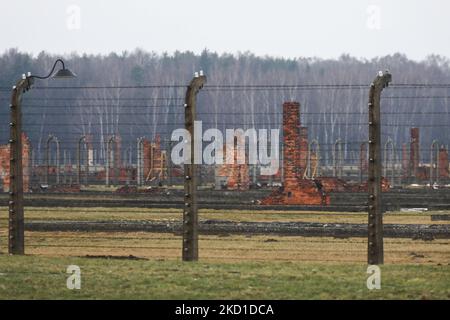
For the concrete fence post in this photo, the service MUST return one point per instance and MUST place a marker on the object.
(190, 212)
(375, 219)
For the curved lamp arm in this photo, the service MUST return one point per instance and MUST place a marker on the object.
(51, 72)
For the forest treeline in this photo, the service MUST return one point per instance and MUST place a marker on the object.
(120, 96)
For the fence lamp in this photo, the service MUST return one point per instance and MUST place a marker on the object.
(16, 241)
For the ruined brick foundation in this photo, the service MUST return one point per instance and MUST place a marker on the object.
(443, 163)
(235, 176)
(5, 165)
(155, 166)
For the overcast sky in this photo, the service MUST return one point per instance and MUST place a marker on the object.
(288, 28)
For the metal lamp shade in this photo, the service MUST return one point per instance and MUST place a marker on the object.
(64, 74)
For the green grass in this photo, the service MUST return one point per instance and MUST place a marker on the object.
(34, 277)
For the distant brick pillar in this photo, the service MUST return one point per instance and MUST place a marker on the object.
(303, 151)
(406, 173)
(296, 190)
(240, 170)
(443, 163)
(154, 163)
(157, 158)
(146, 157)
(5, 164)
(4, 167)
(236, 175)
(291, 139)
(415, 152)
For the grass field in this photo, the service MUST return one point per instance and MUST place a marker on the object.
(231, 248)
(230, 267)
(31, 277)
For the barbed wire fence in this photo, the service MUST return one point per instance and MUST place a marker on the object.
(99, 179)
